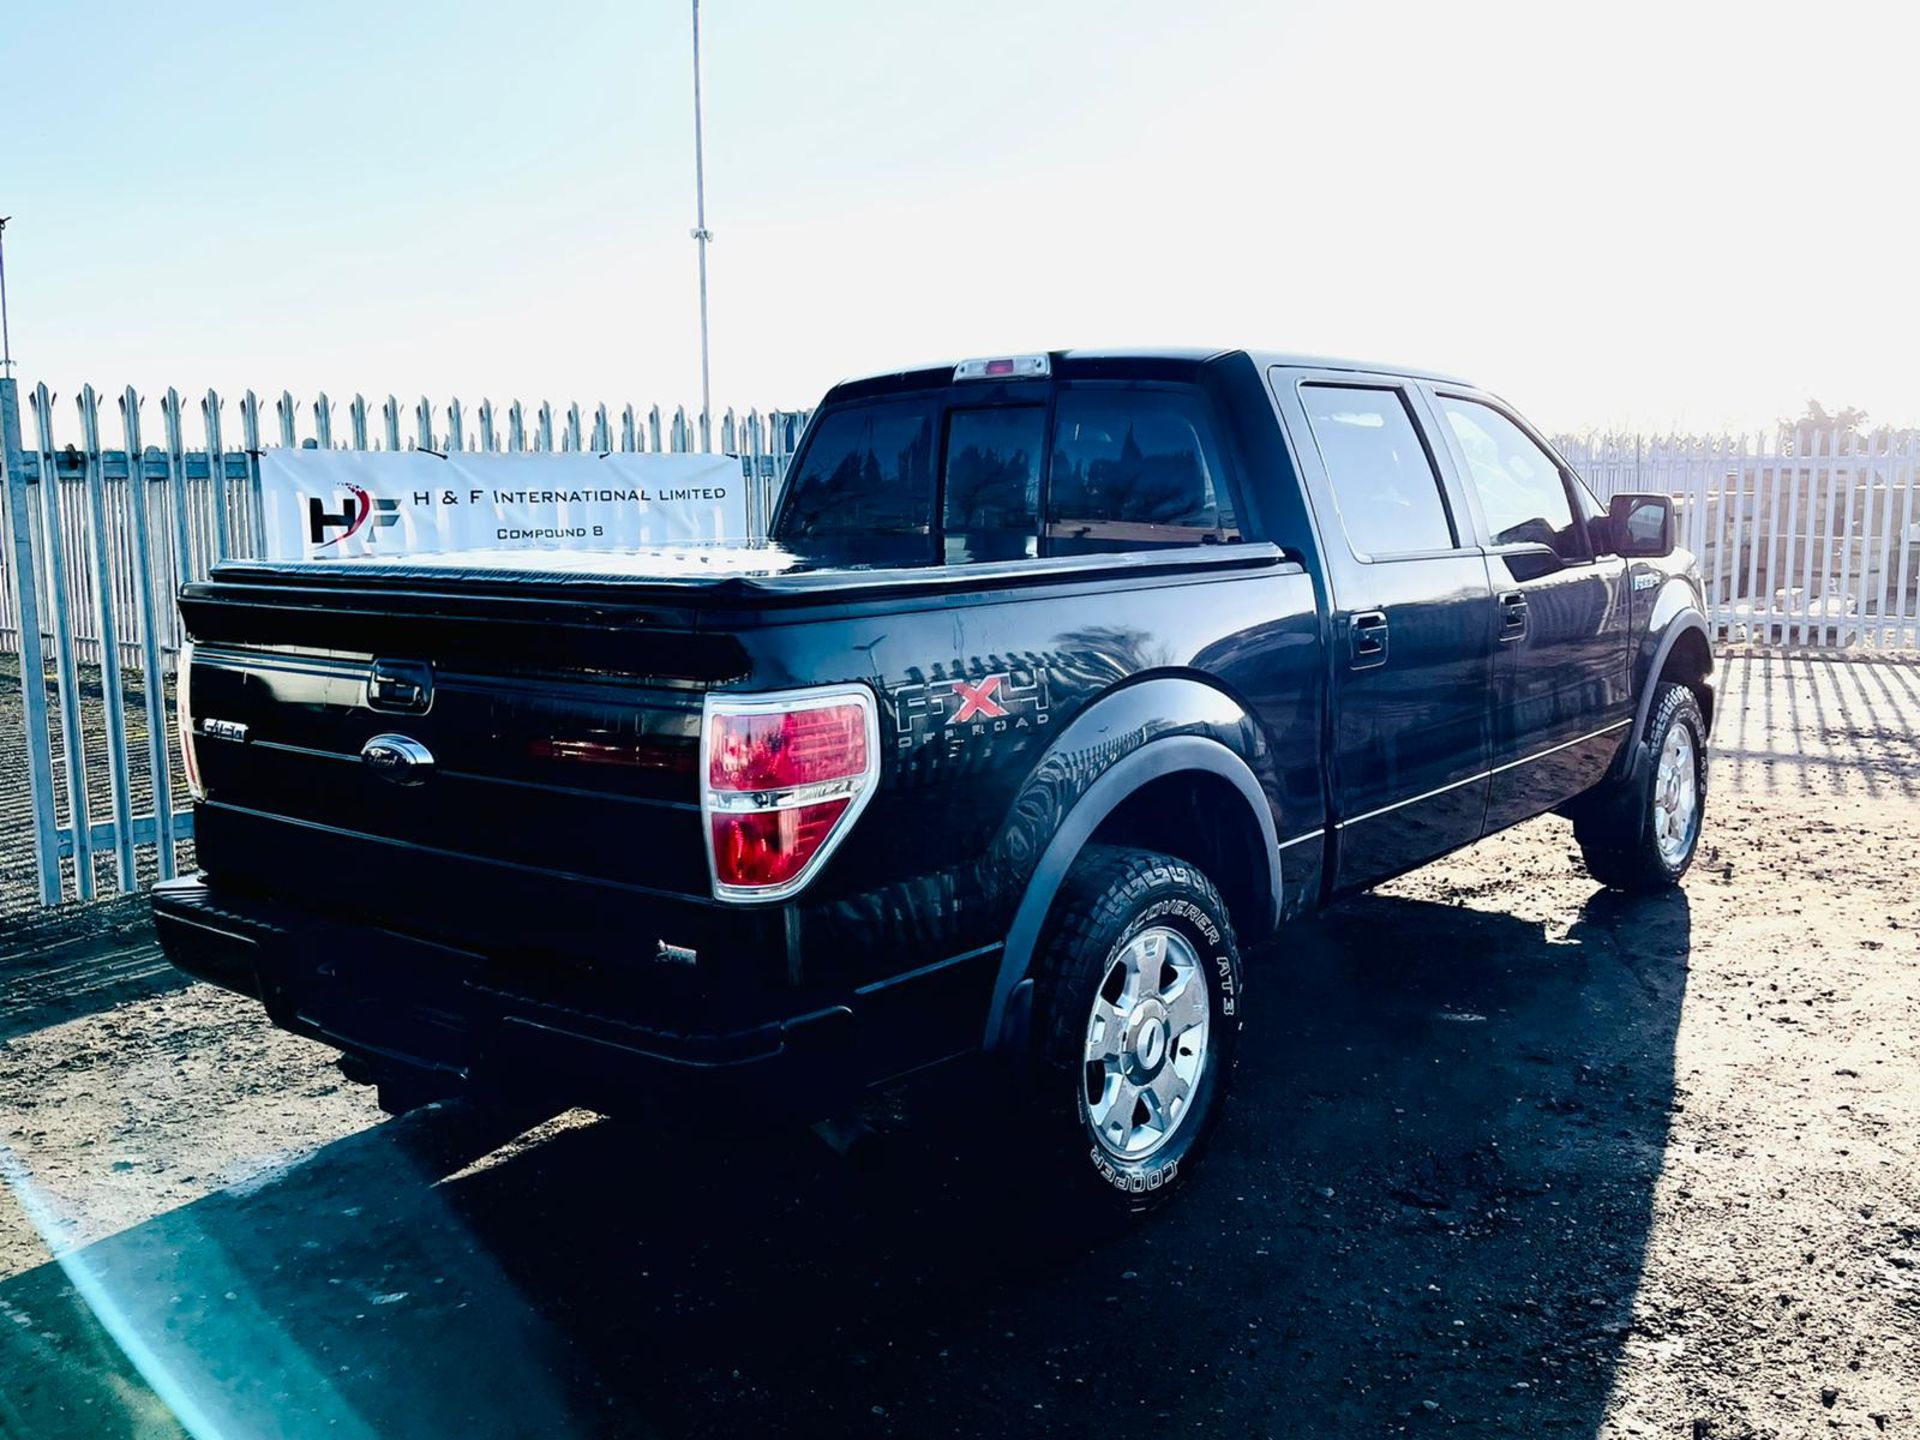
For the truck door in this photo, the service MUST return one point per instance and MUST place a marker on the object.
(1412, 626)
(1562, 684)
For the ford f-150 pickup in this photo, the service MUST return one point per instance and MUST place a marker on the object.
(1061, 683)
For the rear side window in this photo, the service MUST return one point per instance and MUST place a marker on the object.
(1520, 488)
(1384, 483)
(992, 482)
(863, 491)
(1135, 469)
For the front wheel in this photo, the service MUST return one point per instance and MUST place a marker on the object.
(1137, 1021)
(1643, 838)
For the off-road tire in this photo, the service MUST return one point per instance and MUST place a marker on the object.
(1110, 896)
(1615, 828)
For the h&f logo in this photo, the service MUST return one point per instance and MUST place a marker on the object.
(350, 519)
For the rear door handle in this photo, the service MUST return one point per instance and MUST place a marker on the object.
(1367, 636)
(1513, 614)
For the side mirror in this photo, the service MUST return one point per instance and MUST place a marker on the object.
(1641, 526)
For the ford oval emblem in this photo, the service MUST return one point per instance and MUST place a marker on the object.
(397, 758)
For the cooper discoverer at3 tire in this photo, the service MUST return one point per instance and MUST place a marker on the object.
(1643, 838)
(1138, 1012)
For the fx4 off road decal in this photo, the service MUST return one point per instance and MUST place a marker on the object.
(953, 708)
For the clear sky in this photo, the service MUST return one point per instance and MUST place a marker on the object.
(1622, 213)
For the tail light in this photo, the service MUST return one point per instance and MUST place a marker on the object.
(183, 707)
(783, 778)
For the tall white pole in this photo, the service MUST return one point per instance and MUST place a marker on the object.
(702, 235)
(6, 341)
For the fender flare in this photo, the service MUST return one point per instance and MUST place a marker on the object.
(1679, 625)
(1170, 755)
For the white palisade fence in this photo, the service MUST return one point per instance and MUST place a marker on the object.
(1806, 537)
(202, 499)
(98, 530)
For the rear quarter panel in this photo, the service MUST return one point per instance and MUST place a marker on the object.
(977, 691)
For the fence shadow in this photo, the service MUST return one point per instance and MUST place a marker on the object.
(1436, 1187)
(1819, 724)
(57, 965)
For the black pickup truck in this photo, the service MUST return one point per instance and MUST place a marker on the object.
(1063, 681)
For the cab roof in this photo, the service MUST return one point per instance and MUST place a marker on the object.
(1118, 361)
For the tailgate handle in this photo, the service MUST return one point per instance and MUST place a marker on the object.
(400, 687)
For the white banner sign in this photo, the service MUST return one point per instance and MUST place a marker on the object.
(321, 503)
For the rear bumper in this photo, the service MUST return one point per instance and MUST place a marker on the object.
(398, 1000)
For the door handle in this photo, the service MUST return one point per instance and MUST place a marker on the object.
(1513, 614)
(1367, 636)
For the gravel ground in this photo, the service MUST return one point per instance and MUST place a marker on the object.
(1507, 1155)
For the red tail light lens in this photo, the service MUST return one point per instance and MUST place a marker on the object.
(785, 777)
(780, 750)
(754, 849)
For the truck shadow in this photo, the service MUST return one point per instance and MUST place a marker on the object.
(1434, 1193)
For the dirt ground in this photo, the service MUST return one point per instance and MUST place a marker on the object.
(1507, 1155)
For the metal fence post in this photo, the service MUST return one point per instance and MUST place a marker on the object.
(33, 670)
(60, 601)
(256, 499)
(106, 619)
(216, 474)
(153, 676)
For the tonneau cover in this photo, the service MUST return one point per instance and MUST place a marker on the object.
(760, 569)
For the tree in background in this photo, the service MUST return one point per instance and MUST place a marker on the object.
(1848, 419)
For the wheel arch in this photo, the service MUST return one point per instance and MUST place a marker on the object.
(1687, 659)
(1676, 649)
(1682, 652)
(1185, 767)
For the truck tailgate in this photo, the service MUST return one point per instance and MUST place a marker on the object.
(563, 735)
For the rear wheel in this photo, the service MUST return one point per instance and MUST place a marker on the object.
(1137, 1021)
(1643, 836)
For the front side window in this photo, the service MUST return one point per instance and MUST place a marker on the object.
(992, 484)
(862, 494)
(1520, 488)
(1134, 469)
(1383, 480)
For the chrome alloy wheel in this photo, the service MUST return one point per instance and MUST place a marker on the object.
(1146, 1043)
(1676, 797)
